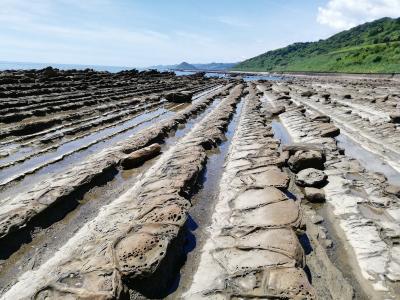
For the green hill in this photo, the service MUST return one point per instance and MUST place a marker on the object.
(369, 48)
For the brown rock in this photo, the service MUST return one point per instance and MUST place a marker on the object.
(306, 159)
(321, 118)
(277, 110)
(330, 131)
(307, 94)
(393, 190)
(314, 194)
(182, 97)
(138, 157)
(293, 148)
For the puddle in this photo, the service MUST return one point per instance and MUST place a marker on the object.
(69, 139)
(95, 142)
(368, 160)
(68, 148)
(28, 181)
(203, 202)
(339, 253)
(280, 132)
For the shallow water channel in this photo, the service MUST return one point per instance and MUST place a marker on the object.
(44, 242)
(368, 160)
(203, 202)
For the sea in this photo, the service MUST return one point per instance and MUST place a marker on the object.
(12, 65)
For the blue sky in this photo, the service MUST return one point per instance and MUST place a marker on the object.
(148, 32)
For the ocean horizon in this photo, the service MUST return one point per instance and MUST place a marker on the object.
(14, 65)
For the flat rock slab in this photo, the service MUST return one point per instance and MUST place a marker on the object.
(273, 177)
(130, 237)
(256, 197)
(253, 250)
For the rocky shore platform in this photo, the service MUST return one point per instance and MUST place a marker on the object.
(148, 185)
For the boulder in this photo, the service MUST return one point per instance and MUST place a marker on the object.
(293, 148)
(326, 96)
(321, 118)
(179, 97)
(311, 178)
(306, 159)
(330, 131)
(393, 190)
(395, 117)
(314, 194)
(307, 94)
(49, 72)
(139, 157)
(277, 110)
(283, 97)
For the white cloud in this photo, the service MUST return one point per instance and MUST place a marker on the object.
(344, 14)
(230, 21)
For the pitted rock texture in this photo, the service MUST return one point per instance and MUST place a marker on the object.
(366, 214)
(363, 109)
(129, 238)
(252, 248)
(311, 177)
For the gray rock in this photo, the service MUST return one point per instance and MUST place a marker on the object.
(311, 178)
(283, 97)
(314, 194)
(395, 117)
(307, 94)
(293, 148)
(277, 110)
(306, 159)
(326, 96)
(393, 190)
(321, 118)
(180, 97)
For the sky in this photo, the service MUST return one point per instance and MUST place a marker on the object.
(141, 33)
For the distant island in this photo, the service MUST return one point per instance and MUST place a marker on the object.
(196, 67)
(368, 48)
(184, 66)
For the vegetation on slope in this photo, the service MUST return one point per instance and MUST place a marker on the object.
(369, 48)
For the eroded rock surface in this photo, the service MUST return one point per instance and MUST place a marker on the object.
(130, 238)
(311, 177)
(16, 212)
(355, 194)
(253, 250)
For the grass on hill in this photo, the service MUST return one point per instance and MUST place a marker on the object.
(369, 48)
